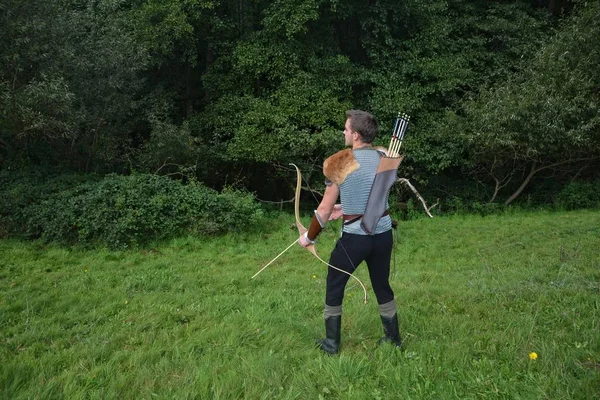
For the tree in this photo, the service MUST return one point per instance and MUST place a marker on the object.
(71, 80)
(546, 116)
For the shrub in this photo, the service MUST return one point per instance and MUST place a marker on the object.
(579, 195)
(122, 211)
(20, 190)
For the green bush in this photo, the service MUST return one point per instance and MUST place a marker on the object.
(20, 190)
(122, 211)
(579, 195)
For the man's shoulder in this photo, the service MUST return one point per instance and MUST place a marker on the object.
(382, 151)
(370, 153)
(338, 166)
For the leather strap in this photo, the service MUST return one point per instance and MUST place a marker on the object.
(351, 218)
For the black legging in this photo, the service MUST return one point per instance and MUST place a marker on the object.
(348, 253)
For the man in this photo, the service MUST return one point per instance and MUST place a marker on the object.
(350, 174)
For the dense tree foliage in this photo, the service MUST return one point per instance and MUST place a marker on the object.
(229, 92)
(545, 117)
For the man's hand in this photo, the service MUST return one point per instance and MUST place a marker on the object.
(303, 241)
(336, 213)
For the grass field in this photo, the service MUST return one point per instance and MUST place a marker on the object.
(476, 297)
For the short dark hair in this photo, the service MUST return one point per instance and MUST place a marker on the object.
(363, 123)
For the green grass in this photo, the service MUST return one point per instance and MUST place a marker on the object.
(183, 320)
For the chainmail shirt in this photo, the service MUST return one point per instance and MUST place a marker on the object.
(355, 189)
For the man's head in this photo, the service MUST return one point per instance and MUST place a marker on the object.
(361, 123)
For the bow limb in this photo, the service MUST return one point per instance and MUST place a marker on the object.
(302, 229)
(313, 250)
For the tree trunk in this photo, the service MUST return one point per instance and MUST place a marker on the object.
(523, 185)
(496, 190)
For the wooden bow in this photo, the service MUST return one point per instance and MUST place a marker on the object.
(302, 230)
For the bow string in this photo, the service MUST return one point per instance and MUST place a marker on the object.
(302, 230)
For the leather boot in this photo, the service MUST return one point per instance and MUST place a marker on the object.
(333, 328)
(391, 331)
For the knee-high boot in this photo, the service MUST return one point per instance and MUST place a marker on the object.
(333, 328)
(391, 331)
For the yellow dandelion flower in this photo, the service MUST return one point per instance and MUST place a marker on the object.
(533, 355)
(314, 276)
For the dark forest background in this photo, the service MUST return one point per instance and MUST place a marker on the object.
(503, 96)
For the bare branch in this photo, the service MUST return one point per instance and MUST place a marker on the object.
(566, 162)
(585, 166)
(178, 173)
(535, 169)
(427, 209)
(275, 202)
(500, 183)
(312, 191)
(166, 164)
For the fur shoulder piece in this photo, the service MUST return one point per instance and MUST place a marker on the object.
(337, 167)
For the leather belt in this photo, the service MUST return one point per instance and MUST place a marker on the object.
(355, 217)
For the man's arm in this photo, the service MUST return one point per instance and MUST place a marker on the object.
(322, 214)
(326, 206)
